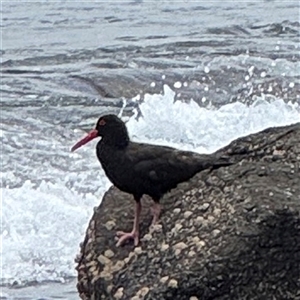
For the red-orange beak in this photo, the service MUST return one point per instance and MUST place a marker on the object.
(90, 136)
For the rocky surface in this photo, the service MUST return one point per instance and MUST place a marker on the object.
(233, 233)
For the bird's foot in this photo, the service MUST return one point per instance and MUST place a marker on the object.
(155, 209)
(124, 236)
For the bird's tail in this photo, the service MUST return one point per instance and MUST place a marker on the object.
(221, 161)
(213, 162)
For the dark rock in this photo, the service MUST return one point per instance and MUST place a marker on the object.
(244, 245)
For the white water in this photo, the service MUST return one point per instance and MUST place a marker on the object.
(43, 223)
(191, 127)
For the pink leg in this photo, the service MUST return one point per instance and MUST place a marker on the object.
(134, 234)
(155, 212)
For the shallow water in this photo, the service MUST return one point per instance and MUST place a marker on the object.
(233, 67)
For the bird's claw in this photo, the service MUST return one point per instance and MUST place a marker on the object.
(124, 236)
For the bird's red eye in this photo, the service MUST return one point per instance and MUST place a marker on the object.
(102, 122)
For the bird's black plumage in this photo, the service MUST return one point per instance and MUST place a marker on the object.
(138, 168)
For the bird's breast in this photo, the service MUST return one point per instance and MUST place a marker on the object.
(117, 168)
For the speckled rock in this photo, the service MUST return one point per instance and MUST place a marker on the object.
(232, 233)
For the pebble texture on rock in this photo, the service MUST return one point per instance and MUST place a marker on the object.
(232, 233)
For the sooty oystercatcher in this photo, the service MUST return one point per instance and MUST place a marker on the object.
(140, 169)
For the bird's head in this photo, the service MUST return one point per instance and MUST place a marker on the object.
(111, 129)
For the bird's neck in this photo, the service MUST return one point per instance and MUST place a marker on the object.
(119, 140)
(108, 148)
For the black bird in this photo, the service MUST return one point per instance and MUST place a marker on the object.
(140, 169)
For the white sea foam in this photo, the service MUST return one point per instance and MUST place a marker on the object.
(41, 231)
(189, 126)
(43, 223)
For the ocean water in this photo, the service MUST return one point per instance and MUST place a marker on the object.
(190, 75)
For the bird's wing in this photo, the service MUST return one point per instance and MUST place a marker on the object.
(157, 163)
